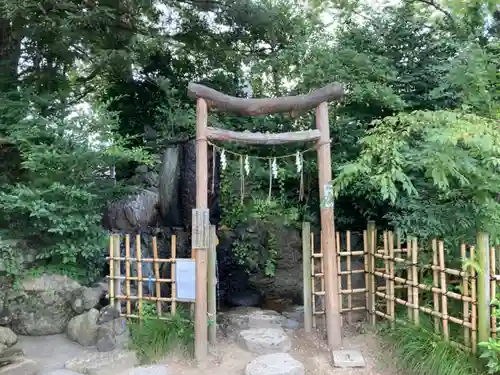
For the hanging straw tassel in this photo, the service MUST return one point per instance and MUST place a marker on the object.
(270, 179)
(242, 180)
(214, 157)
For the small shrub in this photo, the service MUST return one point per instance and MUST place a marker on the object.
(153, 338)
(420, 352)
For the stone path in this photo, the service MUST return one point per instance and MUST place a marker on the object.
(251, 342)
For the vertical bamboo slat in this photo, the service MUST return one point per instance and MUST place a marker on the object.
(138, 255)
(307, 276)
(493, 289)
(372, 246)
(409, 277)
(118, 273)
(387, 272)
(465, 287)
(156, 268)
(339, 268)
(435, 283)
(173, 255)
(392, 312)
(127, 274)
(444, 290)
(112, 275)
(367, 273)
(473, 315)
(313, 261)
(349, 275)
(483, 286)
(415, 290)
(400, 251)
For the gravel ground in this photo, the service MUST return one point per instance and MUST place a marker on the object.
(228, 359)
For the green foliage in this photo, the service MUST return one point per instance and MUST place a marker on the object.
(58, 203)
(419, 351)
(438, 170)
(490, 350)
(153, 338)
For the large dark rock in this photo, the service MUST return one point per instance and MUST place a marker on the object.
(188, 184)
(169, 186)
(131, 214)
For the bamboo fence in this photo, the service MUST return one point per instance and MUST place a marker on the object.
(116, 260)
(399, 284)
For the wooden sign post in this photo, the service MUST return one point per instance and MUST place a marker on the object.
(257, 107)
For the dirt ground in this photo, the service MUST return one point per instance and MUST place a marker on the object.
(228, 359)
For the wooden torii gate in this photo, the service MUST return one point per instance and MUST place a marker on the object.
(208, 98)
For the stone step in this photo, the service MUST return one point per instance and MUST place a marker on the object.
(264, 340)
(20, 366)
(147, 370)
(108, 363)
(275, 364)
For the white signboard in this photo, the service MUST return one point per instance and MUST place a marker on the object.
(185, 280)
(328, 195)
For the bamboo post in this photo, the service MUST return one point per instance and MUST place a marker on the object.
(400, 251)
(372, 246)
(307, 276)
(332, 311)
(392, 311)
(339, 267)
(493, 291)
(313, 280)
(201, 332)
(435, 283)
(173, 257)
(483, 284)
(349, 275)
(127, 274)
(212, 286)
(473, 314)
(465, 287)
(112, 296)
(409, 276)
(387, 272)
(444, 290)
(118, 273)
(156, 267)
(138, 255)
(367, 273)
(415, 289)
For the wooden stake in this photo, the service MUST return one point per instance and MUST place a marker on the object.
(372, 246)
(201, 332)
(483, 283)
(333, 320)
(444, 290)
(173, 256)
(367, 274)
(138, 255)
(387, 271)
(307, 276)
(339, 268)
(156, 267)
(435, 283)
(127, 274)
(212, 286)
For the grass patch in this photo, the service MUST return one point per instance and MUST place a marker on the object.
(153, 338)
(418, 351)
